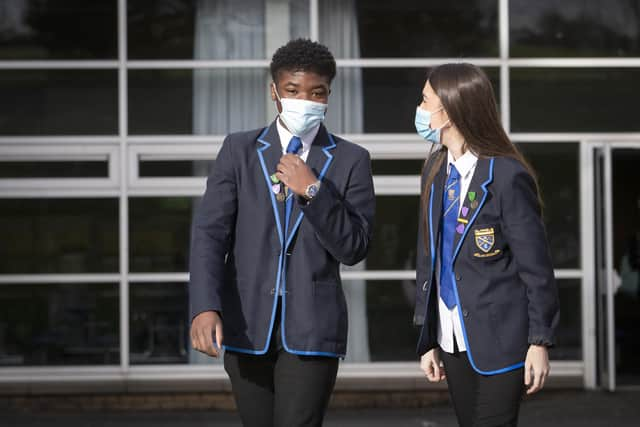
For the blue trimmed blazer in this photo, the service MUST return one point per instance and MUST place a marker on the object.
(241, 259)
(503, 276)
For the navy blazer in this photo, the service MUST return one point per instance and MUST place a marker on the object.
(504, 281)
(240, 258)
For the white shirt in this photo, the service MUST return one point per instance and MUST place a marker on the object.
(449, 324)
(307, 139)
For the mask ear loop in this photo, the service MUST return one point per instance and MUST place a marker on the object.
(275, 90)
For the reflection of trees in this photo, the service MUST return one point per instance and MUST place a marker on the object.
(585, 32)
(73, 28)
(398, 28)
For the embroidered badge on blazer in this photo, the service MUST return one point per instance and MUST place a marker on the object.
(485, 239)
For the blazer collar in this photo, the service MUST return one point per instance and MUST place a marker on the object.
(269, 149)
(473, 201)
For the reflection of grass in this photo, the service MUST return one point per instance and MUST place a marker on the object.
(560, 52)
(574, 99)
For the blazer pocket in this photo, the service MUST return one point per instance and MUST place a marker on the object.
(510, 323)
(330, 311)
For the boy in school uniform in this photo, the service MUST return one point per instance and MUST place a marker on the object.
(284, 207)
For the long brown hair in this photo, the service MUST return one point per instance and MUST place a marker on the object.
(467, 96)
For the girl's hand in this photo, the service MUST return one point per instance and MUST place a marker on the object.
(432, 366)
(536, 368)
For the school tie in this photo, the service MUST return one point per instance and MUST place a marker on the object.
(450, 219)
(294, 146)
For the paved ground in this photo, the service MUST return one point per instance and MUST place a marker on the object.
(561, 408)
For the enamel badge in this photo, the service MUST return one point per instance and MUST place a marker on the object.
(485, 239)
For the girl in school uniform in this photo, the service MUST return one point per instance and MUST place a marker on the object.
(486, 296)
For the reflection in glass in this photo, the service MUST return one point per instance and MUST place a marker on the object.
(558, 170)
(211, 29)
(626, 261)
(409, 28)
(159, 322)
(390, 97)
(569, 333)
(59, 324)
(58, 236)
(50, 29)
(395, 233)
(198, 101)
(550, 28)
(397, 166)
(174, 168)
(392, 335)
(159, 233)
(574, 99)
(54, 169)
(59, 102)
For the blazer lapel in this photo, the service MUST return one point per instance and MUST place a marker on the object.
(269, 153)
(473, 201)
(318, 160)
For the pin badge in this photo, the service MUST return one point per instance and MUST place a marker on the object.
(472, 195)
(460, 228)
(275, 188)
(465, 211)
(274, 179)
(280, 197)
(474, 204)
(452, 194)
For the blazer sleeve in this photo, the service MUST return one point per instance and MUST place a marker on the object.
(344, 225)
(525, 234)
(213, 226)
(423, 262)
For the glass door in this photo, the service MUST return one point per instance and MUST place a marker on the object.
(615, 241)
(625, 236)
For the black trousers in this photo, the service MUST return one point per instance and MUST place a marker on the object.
(482, 400)
(280, 389)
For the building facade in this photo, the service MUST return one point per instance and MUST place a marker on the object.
(113, 111)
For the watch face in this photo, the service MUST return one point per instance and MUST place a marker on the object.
(312, 190)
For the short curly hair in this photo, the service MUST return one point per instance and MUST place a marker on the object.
(303, 55)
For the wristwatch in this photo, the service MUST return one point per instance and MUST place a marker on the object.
(311, 191)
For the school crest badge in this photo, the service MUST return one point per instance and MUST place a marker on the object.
(485, 239)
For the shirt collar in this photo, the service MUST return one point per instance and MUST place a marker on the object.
(464, 164)
(285, 136)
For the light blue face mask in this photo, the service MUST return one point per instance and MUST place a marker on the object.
(423, 126)
(300, 115)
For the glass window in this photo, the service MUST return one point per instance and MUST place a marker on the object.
(198, 101)
(59, 324)
(569, 333)
(395, 234)
(159, 319)
(397, 167)
(388, 318)
(174, 168)
(550, 28)
(409, 28)
(389, 97)
(159, 233)
(58, 236)
(59, 102)
(574, 99)
(54, 169)
(216, 29)
(50, 29)
(558, 169)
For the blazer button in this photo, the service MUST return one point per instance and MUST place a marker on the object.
(458, 277)
(465, 312)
